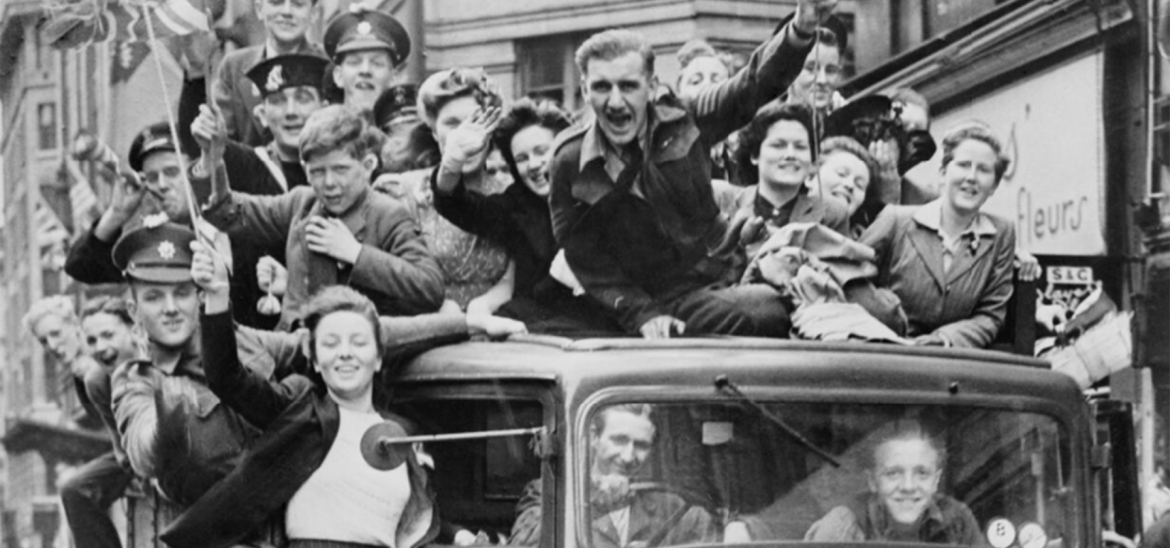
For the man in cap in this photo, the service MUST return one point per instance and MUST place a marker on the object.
(367, 49)
(173, 428)
(410, 144)
(286, 24)
(643, 237)
(158, 188)
(291, 90)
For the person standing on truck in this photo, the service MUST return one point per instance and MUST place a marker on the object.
(631, 199)
(620, 440)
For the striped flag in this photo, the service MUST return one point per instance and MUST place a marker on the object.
(76, 23)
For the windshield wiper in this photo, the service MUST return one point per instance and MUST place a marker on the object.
(723, 383)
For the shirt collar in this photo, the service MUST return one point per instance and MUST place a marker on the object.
(930, 216)
(932, 516)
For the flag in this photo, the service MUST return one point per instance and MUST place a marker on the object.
(76, 23)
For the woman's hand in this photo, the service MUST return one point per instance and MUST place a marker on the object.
(470, 139)
(209, 272)
(1027, 266)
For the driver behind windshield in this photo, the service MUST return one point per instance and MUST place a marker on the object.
(625, 514)
(903, 502)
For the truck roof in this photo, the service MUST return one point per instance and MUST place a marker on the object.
(598, 363)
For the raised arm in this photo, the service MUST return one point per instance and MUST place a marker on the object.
(255, 398)
(731, 104)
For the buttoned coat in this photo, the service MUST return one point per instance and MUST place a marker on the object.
(395, 268)
(967, 304)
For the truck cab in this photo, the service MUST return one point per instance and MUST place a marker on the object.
(766, 437)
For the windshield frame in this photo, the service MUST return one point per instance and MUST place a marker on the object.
(1079, 475)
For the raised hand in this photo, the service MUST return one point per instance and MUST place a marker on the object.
(811, 13)
(209, 131)
(332, 238)
(210, 273)
(471, 138)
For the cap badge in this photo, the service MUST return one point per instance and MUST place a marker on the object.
(364, 28)
(166, 250)
(156, 220)
(275, 79)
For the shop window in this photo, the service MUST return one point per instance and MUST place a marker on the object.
(548, 70)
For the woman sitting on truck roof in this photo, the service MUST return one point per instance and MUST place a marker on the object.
(308, 460)
(950, 263)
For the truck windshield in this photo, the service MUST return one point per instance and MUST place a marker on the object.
(664, 474)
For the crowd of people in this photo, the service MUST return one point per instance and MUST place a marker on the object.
(313, 201)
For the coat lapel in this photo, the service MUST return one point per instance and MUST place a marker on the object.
(968, 255)
(929, 248)
(605, 533)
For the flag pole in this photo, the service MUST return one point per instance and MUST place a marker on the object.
(191, 209)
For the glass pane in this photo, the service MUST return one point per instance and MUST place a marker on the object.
(479, 482)
(670, 474)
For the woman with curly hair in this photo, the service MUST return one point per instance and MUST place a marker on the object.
(519, 217)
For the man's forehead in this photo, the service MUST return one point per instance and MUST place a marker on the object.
(161, 158)
(367, 54)
(629, 65)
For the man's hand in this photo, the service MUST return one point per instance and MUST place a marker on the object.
(271, 276)
(470, 139)
(332, 238)
(662, 327)
(811, 13)
(610, 492)
(128, 192)
(210, 132)
(210, 273)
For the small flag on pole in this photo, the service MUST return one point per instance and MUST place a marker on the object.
(77, 23)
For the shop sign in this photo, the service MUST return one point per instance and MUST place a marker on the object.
(1052, 129)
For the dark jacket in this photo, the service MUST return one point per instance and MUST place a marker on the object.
(300, 422)
(632, 252)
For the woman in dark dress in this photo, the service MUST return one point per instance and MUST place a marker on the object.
(519, 217)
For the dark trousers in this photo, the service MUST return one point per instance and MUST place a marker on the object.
(754, 310)
(87, 497)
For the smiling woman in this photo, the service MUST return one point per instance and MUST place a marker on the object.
(950, 263)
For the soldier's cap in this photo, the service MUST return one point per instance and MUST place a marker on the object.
(362, 28)
(155, 138)
(159, 254)
(288, 71)
(397, 101)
